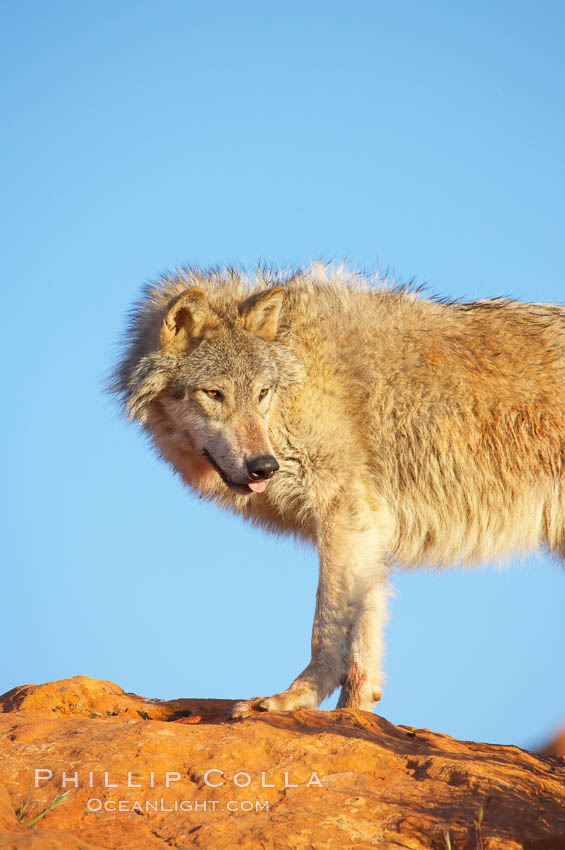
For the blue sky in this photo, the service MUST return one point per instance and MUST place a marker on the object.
(426, 138)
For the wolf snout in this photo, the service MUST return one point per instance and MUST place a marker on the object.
(262, 468)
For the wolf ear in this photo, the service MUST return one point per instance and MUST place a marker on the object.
(260, 312)
(185, 322)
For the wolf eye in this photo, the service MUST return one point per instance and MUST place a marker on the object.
(263, 392)
(214, 394)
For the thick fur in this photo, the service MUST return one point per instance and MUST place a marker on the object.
(408, 431)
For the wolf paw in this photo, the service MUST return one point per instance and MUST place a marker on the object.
(357, 691)
(290, 700)
(245, 708)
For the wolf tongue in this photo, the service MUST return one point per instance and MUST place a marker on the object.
(257, 486)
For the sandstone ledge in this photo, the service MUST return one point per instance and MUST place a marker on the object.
(310, 779)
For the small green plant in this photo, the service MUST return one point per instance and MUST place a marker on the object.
(176, 715)
(57, 800)
(20, 813)
(478, 829)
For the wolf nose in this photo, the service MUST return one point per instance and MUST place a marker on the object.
(261, 468)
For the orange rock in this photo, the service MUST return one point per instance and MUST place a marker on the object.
(85, 697)
(47, 839)
(344, 779)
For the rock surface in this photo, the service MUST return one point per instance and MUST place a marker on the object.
(310, 779)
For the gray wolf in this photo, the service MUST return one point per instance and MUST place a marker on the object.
(388, 428)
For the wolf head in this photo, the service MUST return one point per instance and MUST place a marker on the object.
(203, 377)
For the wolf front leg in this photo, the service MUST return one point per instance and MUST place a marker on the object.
(362, 684)
(350, 612)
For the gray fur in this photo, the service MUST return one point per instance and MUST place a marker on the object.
(408, 431)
